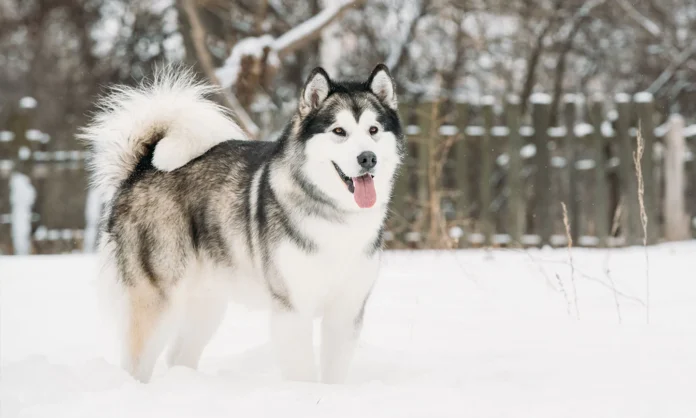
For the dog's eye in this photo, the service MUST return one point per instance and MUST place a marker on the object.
(339, 132)
(373, 130)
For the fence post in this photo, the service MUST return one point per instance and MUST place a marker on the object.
(22, 192)
(541, 108)
(486, 217)
(516, 208)
(423, 157)
(573, 203)
(401, 187)
(676, 219)
(627, 172)
(461, 151)
(645, 106)
(601, 194)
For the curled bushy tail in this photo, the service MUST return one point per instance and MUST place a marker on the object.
(172, 110)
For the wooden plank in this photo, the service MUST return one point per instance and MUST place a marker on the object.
(646, 110)
(516, 206)
(601, 193)
(426, 141)
(627, 175)
(484, 186)
(461, 151)
(676, 219)
(571, 146)
(399, 216)
(543, 224)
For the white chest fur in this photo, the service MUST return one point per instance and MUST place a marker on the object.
(340, 267)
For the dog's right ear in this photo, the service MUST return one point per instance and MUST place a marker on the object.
(315, 91)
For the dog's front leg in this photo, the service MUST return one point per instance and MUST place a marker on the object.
(342, 324)
(340, 331)
(291, 337)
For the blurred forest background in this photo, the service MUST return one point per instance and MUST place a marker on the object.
(61, 53)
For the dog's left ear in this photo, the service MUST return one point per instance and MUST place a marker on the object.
(382, 85)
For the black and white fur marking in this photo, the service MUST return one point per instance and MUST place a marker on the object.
(196, 216)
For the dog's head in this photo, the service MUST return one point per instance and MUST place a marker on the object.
(351, 137)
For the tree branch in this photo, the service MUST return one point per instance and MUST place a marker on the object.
(645, 23)
(206, 63)
(310, 29)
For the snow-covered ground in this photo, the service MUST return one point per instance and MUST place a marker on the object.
(469, 333)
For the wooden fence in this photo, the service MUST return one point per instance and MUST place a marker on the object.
(496, 175)
(476, 174)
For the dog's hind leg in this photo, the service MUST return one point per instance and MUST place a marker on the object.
(201, 316)
(146, 331)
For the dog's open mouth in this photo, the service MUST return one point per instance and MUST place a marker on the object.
(363, 187)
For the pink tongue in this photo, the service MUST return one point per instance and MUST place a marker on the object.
(364, 194)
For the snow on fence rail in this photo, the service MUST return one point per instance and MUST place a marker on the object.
(502, 182)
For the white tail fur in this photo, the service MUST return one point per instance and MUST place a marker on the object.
(173, 107)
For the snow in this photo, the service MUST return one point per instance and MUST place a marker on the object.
(526, 130)
(400, 24)
(571, 98)
(622, 98)
(475, 130)
(310, 25)
(478, 333)
(528, 151)
(34, 135)
(487, 100)
(41, 233)
(448, 130)
(540, 98)
(412, 236)
(643, 97)
(456, 232)
(607, 129)
(412, 130)
(22, 197)
(585, 164)
(558, 162)
(500, 131)
(227, 74)
(24, 153)
(93, 207)
(27, 102)
(513, 99)
(557, 131)
(662, 130)
(690, 131)
(583, 129)
(6, 136)
(6, 165)
(255, 46)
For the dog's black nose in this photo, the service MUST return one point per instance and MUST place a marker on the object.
(367, 160)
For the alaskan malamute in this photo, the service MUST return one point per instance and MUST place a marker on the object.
(197, 215)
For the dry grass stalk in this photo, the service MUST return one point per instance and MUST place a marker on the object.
(615, 222)
(565, 294)
(637, 156)
(569, 237)
(607, 271)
